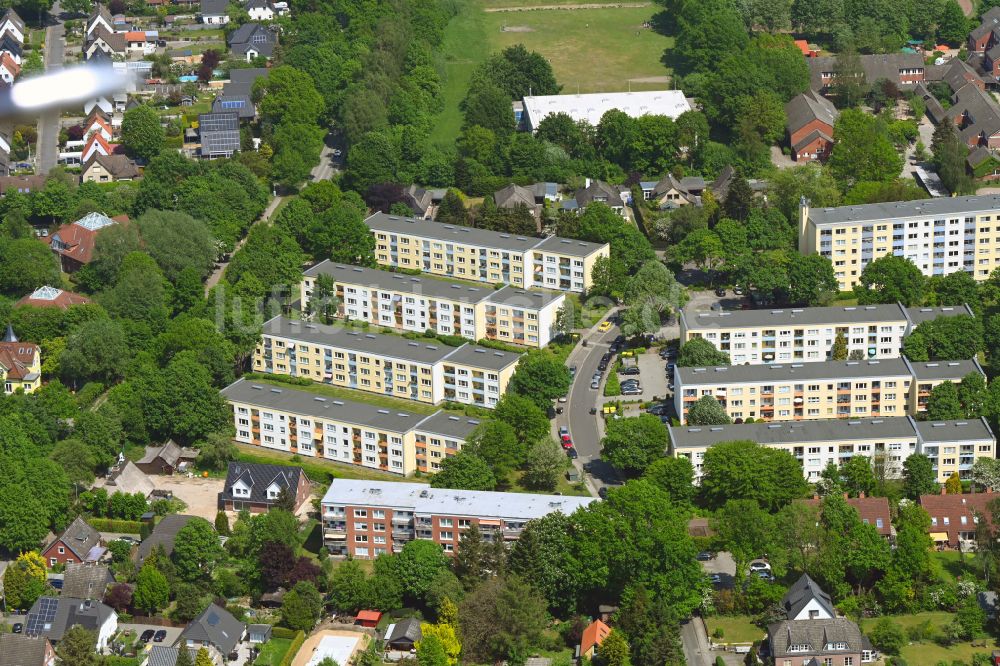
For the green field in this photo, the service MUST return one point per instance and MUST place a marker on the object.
(367, 397)
(318, 470)
(273, 652)
(591, 50)
(735, 628)
(927, 653)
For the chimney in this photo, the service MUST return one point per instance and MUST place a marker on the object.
(943, 491)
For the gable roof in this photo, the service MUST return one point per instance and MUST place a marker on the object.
(241, 80)
(7, 62)
(598, 189)
(408, 629)
(512, 195)
(21, 650)
(76, 240)
(16, 358)
(593, 635)
(115, 40)
(52, 616)
(162, 535)
(160, 655)
(955, 509)
(804, 590)
(119, 166)
(977, 109)
(79, 537)
(217, 627)
(170, 453)
(873, 511)
(259, 4)
(12, 16)
(130, 479)
(259, 478)
(814, 633)
(214, 7)
(86, 581)
(219, 133)
(807, 107)
(253, 36)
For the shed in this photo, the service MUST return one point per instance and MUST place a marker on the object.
(258, 633)
(403, 635)
(368, 618)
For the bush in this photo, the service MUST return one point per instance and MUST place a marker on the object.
(719, 661)
(112, 525)
(293, 649)
(887, 636)
(613, 386)
(284, 632)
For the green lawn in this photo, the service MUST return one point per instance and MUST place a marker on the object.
(953, 564)
(735, 628)
(929, 652)
(464, 47)
(366, 397)
(317, 469)
(272, 652)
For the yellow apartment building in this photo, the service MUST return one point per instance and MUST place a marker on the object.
(423, 370)
(480, 255)
(353, 433)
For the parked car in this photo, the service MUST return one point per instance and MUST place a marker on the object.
(566, 442)
(571, 452)
(630, 371)
(17, 628)
(572, 372)
(759, 565)
(705, 556)
(159, 636)
(738, 291)
(602, 492)
(658, 409)
(146, 636)
(604, 326)
(563, 398)
(632, 391)
(765, 575)
(716, 578)
(720, 292)
(595, 384)
(563, 430)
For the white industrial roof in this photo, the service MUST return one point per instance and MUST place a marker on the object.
(591, 107)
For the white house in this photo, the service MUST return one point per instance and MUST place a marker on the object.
(260, 10)
(12, 24)
(214, 12)
(805, 600)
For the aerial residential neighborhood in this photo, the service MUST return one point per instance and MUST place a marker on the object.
(439, 333)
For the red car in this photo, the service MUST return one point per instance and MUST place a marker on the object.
(567, 443)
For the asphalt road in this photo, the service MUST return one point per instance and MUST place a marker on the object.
(694, 640)
(48, 123)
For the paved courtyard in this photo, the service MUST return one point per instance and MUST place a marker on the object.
(200, 495)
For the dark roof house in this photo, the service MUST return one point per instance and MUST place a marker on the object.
(21, 650)
(219, 134)
(215, 627)
(165, 459)
(75, 544)
(818, 640)
(257, 487)
(805, 600)
(403, 634)
(51, 617)
(86, 581)
(251, 40)
(811, 118)
(160, 655)
(162, 535)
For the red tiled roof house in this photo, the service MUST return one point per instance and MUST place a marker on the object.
(74, 243)
(954, 518)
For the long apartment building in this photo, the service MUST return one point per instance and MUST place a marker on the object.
(796, 335)
(316, 426)
(422, 370)
(421, 303)
(952, 446)
(365, 519)
(454, 251)
(824, 390)
(940, 236)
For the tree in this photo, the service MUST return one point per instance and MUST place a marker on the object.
(203, 658)
(301, 606)
(489, 107)
(77, 647)
(177, 241)
(746, 530)
(839, 350)
(614, 650)
(416, 567)
(952, 26)
(184, 657)
(786, 187)
(863, 151)
(858, 476)
(540, 378)
(497, 445)
(25, 580)
(890, 279)
(746, 470)
(139, 292)
(673, 475)
(953, 484)
(701, 27)
(985, 473)
(850, 86)
(348, 587)
(217, 451)
(699, 352)
(949, 157)
(526, 418)
(811, 280)
(943, 403)
(945, 339)
(887, 636)
(287, 96)
(707, 411)
(544, 464)
(152, 592)
(464, 471)
(430, 652)
(142, 134)
(633, 444)
(196, 550)
(918, 476)
(452, 209)
(119, 596)
(501, 619)
(25, 265)
(739, 199)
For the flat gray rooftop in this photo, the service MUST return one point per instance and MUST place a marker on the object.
(954, 431)
(524, 298)
(305, 403)
(919, 315)
(791, 372)
(448, 425)
(944, 206)
(373, 278)
(931, 370)
(482, 357)
(861, 314)
(424, 500)
(450, 233)
(826, 430)
(569, 246)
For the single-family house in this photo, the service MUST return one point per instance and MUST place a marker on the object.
(257, 487)
(107, 40)
(872, 511)
(512, 196)
(101, 103)
(139, 42)
(954, 518)
(805, 600)
(983, 163)
(214, 628)
(96, 145)
(130, 479)
(977, 116)
(166, 458)
(51, 297)
(671, 192)
(10, 45)
(20, 184)
(237, 93)
(102, 168)
(956, 73)
(811, 118)
(403, 635)
(164, 534)
(100, 17)
(820, 641)
(253, 40)
(592, 637)
(20, 364)
(78, 543)
(98, 123)
(260, 10)
(21, 650)
(13, 25)
(214, 12)
(86, 581)
(598, 191)
(986, 33)
(51, 617)
(9, 69)
(74, 243)
(219, 134)
(421, 201)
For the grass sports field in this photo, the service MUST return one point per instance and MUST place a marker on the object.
(592, 49)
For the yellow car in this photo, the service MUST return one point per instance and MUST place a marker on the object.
(605, 326)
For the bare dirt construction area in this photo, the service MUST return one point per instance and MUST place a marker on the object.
(200, 495)
(337, 644)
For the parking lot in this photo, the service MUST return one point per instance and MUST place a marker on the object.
(723, 565)
(137, 630)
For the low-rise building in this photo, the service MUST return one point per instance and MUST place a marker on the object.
(164, 536)
(811, 118)
(418, 304)
(21, 650)
(792, 335)
(253, 40)
(78, 543)
(102, 168)
(166, 458)
(257, 487)
(806, 600)
(364, 519)
(480, 255)
(313, 425)
(824, 390)
(214, 12)
(219, 134)
(51, 297)
(591, 107)
(872, 511)
(51, 617)
(216, 629)
(20, 364)
(426, 371)
(903, 69)
(955, 518)
(952, 446)
(74, 243)
(86, 581)
(819, 641)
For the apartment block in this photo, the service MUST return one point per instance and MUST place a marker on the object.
(316, 426)
(365, 519)
(952, 446)
(940, 236)
(798, 335)
(422, 303)
(479, 255)
(823, 390)
(426, 371)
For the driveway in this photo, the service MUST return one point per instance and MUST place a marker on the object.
(48, 123)
(200, 495)
(723, 565)
(173, 633)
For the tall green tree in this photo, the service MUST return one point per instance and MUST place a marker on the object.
(890, 279)
(707, 411)
(864, 150)
(196, 550)
(464, 471)
(142, 134)
(918, 476)
(631, 445)
(747, 470)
